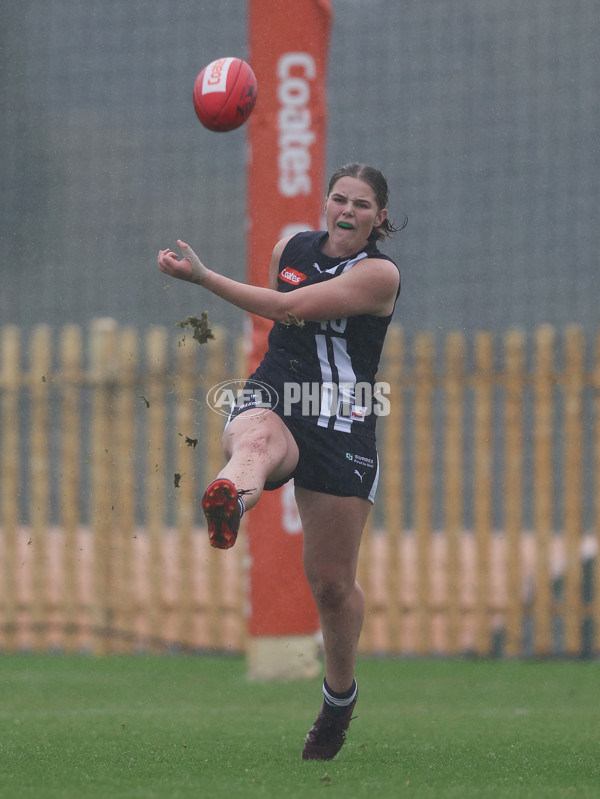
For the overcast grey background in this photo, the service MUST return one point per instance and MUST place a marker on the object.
(483, 114)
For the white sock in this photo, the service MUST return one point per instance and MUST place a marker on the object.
(242, 506)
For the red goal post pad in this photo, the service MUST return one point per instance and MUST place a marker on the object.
(285, 194)
(280, 600)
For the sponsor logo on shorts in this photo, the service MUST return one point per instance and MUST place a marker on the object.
(361, 460)
(291, 276)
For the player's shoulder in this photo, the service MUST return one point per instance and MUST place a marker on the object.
(304, 240)
(294, 241)
(382, 270)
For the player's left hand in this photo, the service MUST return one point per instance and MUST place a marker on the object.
(189, 267)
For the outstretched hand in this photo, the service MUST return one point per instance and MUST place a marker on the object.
(189, 267)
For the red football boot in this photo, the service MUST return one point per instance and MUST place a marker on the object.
(222, 511)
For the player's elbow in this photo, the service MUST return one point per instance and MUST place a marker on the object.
(288, 311)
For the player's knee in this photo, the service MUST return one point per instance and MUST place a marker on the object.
(330, 593)
(255, 441)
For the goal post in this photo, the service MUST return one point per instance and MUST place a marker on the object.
(288, 51)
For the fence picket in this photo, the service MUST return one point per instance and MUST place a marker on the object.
(103, 373)
(484, 389)
(157, 478)
(39, 378)
(70, 385)
(185, 420)
(215, 373)
(392, 459)
(9, 483)
(543, 487)
(573, 466)
(126, 428)
(424, 389)
(453, 482)
(513, 487)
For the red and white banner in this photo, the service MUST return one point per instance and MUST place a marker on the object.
(286, 184)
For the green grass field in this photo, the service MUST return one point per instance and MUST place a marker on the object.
(178, 727)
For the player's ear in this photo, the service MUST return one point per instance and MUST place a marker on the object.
(381, 217)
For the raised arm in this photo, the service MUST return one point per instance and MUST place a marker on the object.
(370, 287)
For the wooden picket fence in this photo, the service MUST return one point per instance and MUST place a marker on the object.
(483, 539)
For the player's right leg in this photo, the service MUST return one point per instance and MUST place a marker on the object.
(259, 448)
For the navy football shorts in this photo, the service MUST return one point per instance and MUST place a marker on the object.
(330, 461)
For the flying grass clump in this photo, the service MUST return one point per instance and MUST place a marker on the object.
(200, 327)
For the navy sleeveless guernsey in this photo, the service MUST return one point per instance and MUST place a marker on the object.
(334, 360)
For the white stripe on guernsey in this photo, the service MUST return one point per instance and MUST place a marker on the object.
(346, 264)
(327, 378)
(353, 262)
(333, 700)
(345, 376)
(373, 490)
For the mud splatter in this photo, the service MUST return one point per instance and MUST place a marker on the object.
(293, 321)
(191, 442)
(202, 332)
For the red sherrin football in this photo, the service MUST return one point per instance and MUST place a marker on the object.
(225, 94)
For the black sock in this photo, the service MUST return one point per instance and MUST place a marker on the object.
(339, 702)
